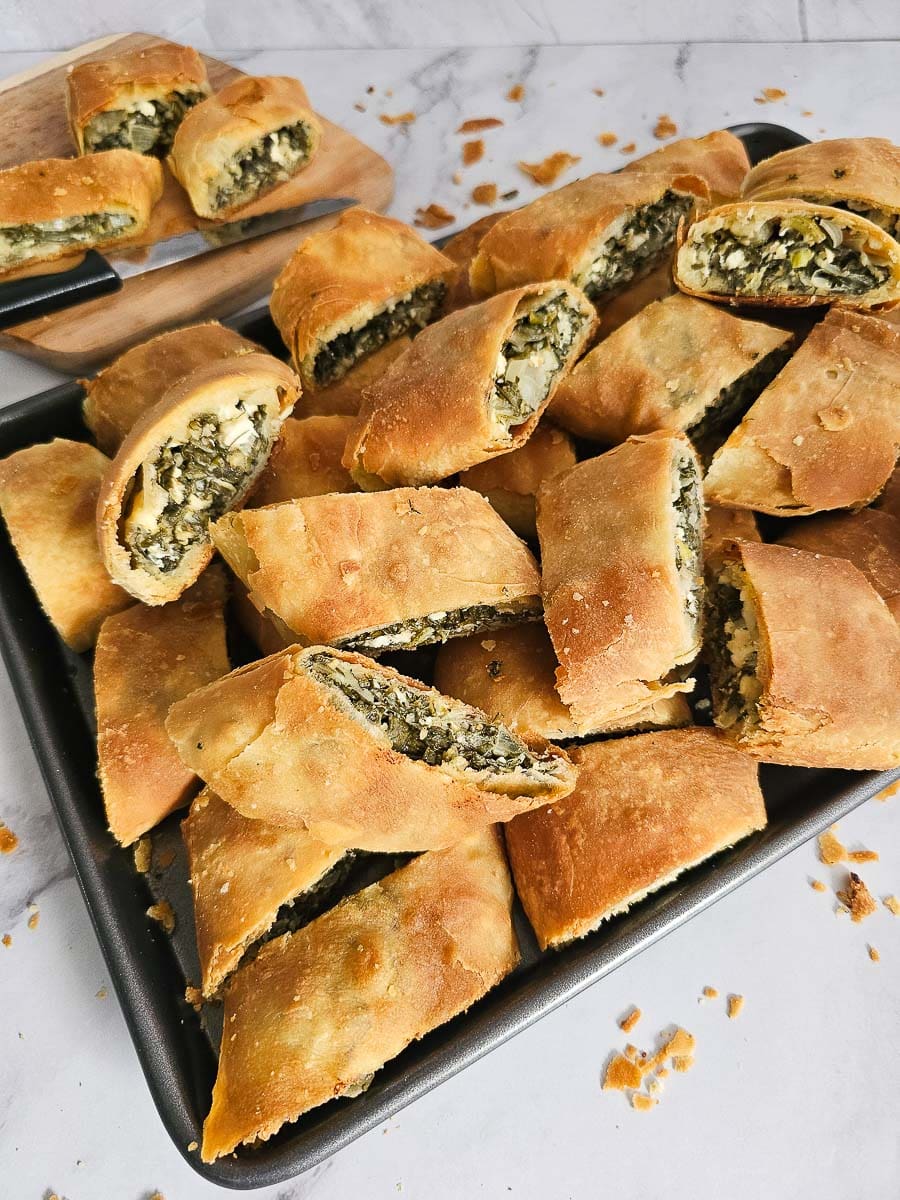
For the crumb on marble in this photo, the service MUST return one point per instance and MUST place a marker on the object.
(628, 149)
(143, 855)
(892, 904)
(831, 849)
(404, 118)
(477, 124)
(6, 939)
(598, 91)
(163, 914)
(359, 107)
(607, 138)
(665, 128)
(102, 994)
(510, 195)
(485, 193)
(435, 216)
(516, 93)
(710, 993)
(735, 1006)
(628, 1022)
(621, 1074)
(873, 954)
(549, 169)
(643, 1103)
(34, 919)
(859, 856)
(807, 112)
(8, 840)
(817, 885)
(857, 898)
(770, 95)
(472, 152)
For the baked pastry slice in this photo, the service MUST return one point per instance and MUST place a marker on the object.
(601, 233)
(470, 387)
(461, 249)
(357, 754)
(136, 100)
(382, 571)
(804, 659)
(248, 138)
(352, 289)
(251, 882)
(621, 551)
(789, 253)
(645, 809)
(189, 459)
(719, 158)
(306, 461)
(62, 206)
(320, 1011)
(677, 364)
(48, 497)
(826, 432)
(146, 659)
(139, 378)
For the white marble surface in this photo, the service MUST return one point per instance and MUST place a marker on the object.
(797, 1097)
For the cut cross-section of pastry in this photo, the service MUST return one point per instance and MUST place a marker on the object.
(136, 100)
(378, 571)
(359, 755)
(248, 138)
(621, 546)
(350, 290)
(804, 659)
(789, 253)
(470, 387)
(57, 207)
(645, 809)
(320, 1011)
(192, 457)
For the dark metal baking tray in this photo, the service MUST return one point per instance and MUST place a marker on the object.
(149, 970)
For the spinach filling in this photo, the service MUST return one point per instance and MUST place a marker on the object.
(714, 424)
(147, 127)
(635, 244)
(271, 160)
(408, 313)
(732, 639)
(439, 627)
(427, 727)
(688, 522)
(192, 481)
(800, 253)
(532, 357)
(882, 217)
(21, 242)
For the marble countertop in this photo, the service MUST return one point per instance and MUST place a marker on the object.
(794, 1098)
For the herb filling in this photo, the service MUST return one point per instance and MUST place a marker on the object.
(425, 726)
(21, 242)
(147, 127)
(688, 556)
(733, 637)
(440, 627)
(260, 166)
(635, 243)
(711, 427)
(411, 312)
(882, 217)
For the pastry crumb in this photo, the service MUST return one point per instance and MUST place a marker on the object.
(598, 91)
(629, 149)
(516, 93)
(457, 178)
(34, 919)
(6, 939)
(621, 1074)
(163, 914)
(192, 1146)
(8, 840)
(665, 127)
(194, 997)
(102, 994)
(477, 124)
(607, 138)
(472, 152)
(735, 1006)
(359, 107)
(863, 856)
(892, 904)
(549, 169)
(643, 1103)
(435, 216)
(165, 860)
(831, 849)
(631, 1019)
(143, 855)
(807, 112)
(770, 95)
(857, 898)
(817, 885)
(157, 1196)
(890, 790)
(710, 992)
(485, 193)
(873, 954)
(404, 118)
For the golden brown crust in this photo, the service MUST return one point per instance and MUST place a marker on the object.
(829, 663)
(889, 497)
(645, 809)
(461, 249)
(719, 158)
(612, 599)
(205, 389)
(51, 189)
(333, 566)
(280, 746)
(244, 111)
(826, 432)
(146, 659)
(259, 629)
(149, 74)
(305, 462)
(137, 379)
(629, 302)
(345, 396)
(428, 416)
(339, 279)
(48, 497)
(552, 237)
(241, 872)
(656, 371)
(870, 539)
(864, 170)
(320, 1011)
(509, 674)
(886, 295)
(724, 525)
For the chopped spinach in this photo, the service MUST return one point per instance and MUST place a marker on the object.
(646, 234)
(21, 241)
(688, 561)
(732, 649)
(532, 357)
(147, 127)
(266, 162)
(713, 425)
(440, 627)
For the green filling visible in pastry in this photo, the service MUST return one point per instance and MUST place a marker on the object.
(732, 641)
(147, 127)
(635, 244)
(440, 627)
(271, 160)
(18, 243)
(882, 217)
(688, 522)
(709, 430)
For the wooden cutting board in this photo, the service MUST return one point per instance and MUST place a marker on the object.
(33, 125)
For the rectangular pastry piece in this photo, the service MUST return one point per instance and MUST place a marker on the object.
(601, 233)
(510, 676)
(804, 659)
(511, 480)
(382, 571)
(320, 1011)
(190, 458)
(136, 100)
(239, 144)
(305, 462)
(48, 498)
(352, 289)
(139, 378)
(826, 432)
(250, 882)
(657, 371)
(719, 158)
(621, 548)
(860, 175)
(788, 253)
(645, 809)
(359, 755)
(870, 539)
(470, 387)
(146, 659)
(63, 206)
